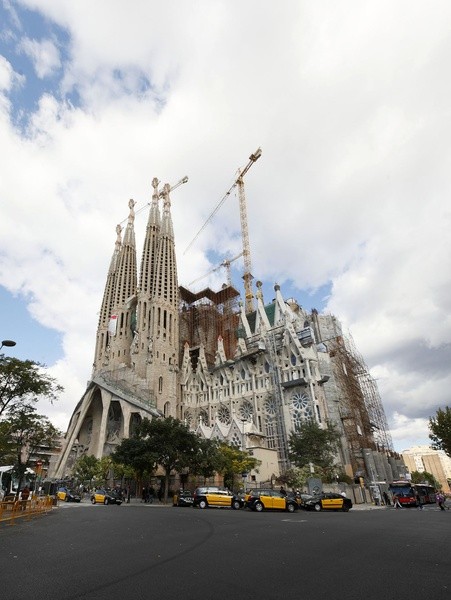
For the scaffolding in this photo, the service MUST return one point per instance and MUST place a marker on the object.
(360, 407)
(204, 317)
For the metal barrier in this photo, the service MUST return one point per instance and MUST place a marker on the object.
(10, 510)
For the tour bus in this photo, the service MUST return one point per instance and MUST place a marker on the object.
(406, 492)
(9, 481)
(426, 492)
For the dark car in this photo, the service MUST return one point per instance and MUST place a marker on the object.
(103, 496)
(267, 499)
(183, 498)
(326, 501)
(68, 495)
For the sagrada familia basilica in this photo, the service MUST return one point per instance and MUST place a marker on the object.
(246, 373)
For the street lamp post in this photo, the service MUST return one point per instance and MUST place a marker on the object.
(8, 343)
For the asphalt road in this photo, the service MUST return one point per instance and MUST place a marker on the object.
(145, 551)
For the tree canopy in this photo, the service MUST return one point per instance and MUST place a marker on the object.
(165, 442)
(22, 430)
(169, 444)
(232, 462)
(425, 477)
(23, 433)
(312, 444)
(440, 427)
(24, 382)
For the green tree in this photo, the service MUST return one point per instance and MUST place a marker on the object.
(233, 462)
(135, 453)
(424, 477)
(440, 427)
(295, 477)
(165, 442)
(24, 433)
(312, 444)
(207, 460)
(23, 382)
(86, 468)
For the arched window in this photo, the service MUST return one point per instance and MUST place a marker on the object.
(167, 409)
(160, 384)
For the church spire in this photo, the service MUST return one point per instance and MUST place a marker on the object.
(162, 358)
(165, 284)
(121, 325)
(101, 352)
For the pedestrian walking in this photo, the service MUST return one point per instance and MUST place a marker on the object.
(396, 502)
(418, 501)
(440, 499)
(386, 499)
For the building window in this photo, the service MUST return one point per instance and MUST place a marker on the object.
(167, 409)
(160, 384)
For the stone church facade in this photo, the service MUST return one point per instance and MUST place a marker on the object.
(247, 378)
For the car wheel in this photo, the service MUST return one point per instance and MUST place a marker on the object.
(345, 508)
(317, 507)
(291, 508)
(93, 500)
(236, 505)
(203, 504)
(259, 506)
(106, 501)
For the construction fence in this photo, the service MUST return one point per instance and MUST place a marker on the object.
(11, 510)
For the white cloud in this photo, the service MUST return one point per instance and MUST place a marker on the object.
(350, 104)
(44, 55)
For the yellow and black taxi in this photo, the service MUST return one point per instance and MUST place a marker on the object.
(183, 498)
(67, 495)
(204, 497)
(103, 496)
(326, 501)
(267, 499)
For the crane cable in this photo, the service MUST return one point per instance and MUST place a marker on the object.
(221, 202)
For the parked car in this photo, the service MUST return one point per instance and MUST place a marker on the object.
(183, 498)
(68, 495)
(326, 501)
(215, 496)
(103, 496)
(268, 499)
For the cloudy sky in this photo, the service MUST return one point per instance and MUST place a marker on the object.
(348, 206)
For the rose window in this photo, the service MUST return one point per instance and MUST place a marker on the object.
(270, 406)
(300, 401)
(246, 411)
(224, 415)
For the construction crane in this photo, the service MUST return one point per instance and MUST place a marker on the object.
(174, 187)
(160, 195)
(225, 263)
(247, 276)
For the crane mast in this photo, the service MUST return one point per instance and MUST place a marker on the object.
(239, 183)
(247, 276)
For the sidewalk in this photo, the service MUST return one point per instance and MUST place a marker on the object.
(370, 506)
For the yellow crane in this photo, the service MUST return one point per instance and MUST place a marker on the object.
(247, 276)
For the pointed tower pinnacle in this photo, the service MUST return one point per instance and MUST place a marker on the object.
(142, 352)
(121, 322)
(101, 356)
(162, 367)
